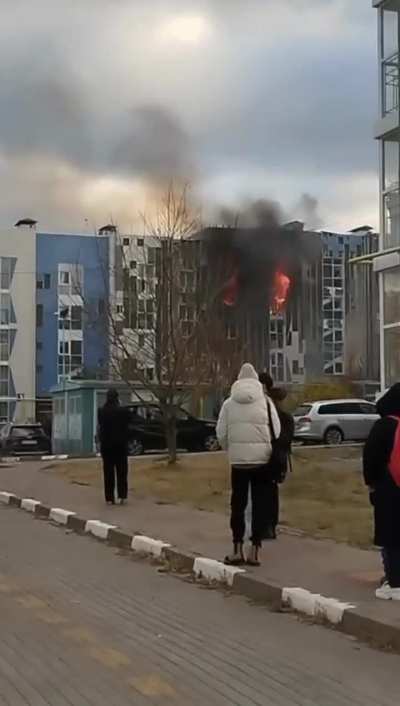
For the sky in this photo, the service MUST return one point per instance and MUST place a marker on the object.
(104, 101)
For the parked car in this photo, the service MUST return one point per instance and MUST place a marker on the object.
(334, 421)
(146, 430)
(19, 439)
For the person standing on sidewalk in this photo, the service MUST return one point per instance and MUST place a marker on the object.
(280, 460)
(113, 436)
(381, 461)
(243, 430)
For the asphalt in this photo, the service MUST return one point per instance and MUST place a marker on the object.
(333, 570)
(82, 625)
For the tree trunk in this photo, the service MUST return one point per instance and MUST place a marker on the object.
(170, 429)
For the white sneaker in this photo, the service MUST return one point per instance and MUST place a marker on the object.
(386, 593)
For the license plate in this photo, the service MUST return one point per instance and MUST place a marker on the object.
(28, 443)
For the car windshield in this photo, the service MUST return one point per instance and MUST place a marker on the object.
(302, 411)
(25, 432)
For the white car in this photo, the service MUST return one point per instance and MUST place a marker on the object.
(334, 421)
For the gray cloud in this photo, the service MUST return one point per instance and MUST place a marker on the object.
(276, 97)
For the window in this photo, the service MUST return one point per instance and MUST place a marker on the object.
(126, 242)
(150, 271)
(142, 270)
(120, 309)
(142, 285)
(295, 367)
(4, 412)
(64, 277)
(64, 347)
(4, 346)
(141, 340)
(390, 33)
(7, 264)
(150, 321)
(76, 347)
(392, 219)
(392, 355)
(39, 283)
(133, 264)
(5, 309)
(76, 318)
(141, 306)
(150, 374)
(140, 242)
(391, 298)
(47, 281)
(368, 408)
(4, 380)
(303, 410)
(39, 315)
(152, 255)
(340, 408)
(391, 164)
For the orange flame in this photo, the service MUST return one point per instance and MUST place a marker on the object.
(231, 290)
(281, 291)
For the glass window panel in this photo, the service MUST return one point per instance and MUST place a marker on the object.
(391, 299)
(391, 171)
(392, 219)
(392, 356)
(390, 32)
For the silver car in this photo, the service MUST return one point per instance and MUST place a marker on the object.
(334, 421)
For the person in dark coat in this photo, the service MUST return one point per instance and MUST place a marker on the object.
(282, 457)
(113, 437)
(385, 493)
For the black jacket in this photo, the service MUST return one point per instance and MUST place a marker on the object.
(385, 494)
(113, 422)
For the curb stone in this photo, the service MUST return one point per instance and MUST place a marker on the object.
(349, 619)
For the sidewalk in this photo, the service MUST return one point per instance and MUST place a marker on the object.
(333, 570)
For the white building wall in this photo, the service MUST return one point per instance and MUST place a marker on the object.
(20, 243)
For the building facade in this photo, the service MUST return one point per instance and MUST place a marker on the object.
(330, 326)
(72, 299)
(387, 132)
(17, 323)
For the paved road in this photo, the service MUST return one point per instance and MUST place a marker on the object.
(81, 625)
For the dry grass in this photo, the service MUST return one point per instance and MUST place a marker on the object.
(325, 496)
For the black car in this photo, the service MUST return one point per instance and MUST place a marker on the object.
(18, 439)
(147, 433)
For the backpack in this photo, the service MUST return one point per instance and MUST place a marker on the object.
(394, 463)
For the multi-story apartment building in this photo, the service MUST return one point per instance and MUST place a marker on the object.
(330, 326)
(387, 131)
(72, 299)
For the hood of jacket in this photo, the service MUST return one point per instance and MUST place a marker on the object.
(390, 402)
(247, 389)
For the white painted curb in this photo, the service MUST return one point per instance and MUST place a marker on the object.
(98, 529)
(5, 498)
(60, 516)
(315, 605)
(58, 457)
(29, 504)
(147, 545)
(213, 570)
(48, 458)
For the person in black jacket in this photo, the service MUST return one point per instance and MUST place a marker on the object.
(385, 494)
(113, 437)
(282, 455)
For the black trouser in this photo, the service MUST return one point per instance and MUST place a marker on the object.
(392, 566)
(242, 478)
(272, 504)
(115, 463)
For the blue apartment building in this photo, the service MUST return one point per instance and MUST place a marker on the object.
(72, 293)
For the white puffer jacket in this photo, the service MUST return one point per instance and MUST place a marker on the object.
(243, 424)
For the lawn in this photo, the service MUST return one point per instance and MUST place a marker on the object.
(325, 496)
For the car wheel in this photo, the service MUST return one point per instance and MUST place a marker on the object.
(333, 436)
(211, 443)
(135, 447)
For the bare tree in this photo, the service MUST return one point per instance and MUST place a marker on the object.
(165, 333)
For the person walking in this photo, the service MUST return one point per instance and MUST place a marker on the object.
(243, 431)
(113, 438)
(381, 463)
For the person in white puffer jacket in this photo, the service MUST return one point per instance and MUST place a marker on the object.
(243, 430)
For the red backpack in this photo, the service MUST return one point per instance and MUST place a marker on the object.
(394, 463)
